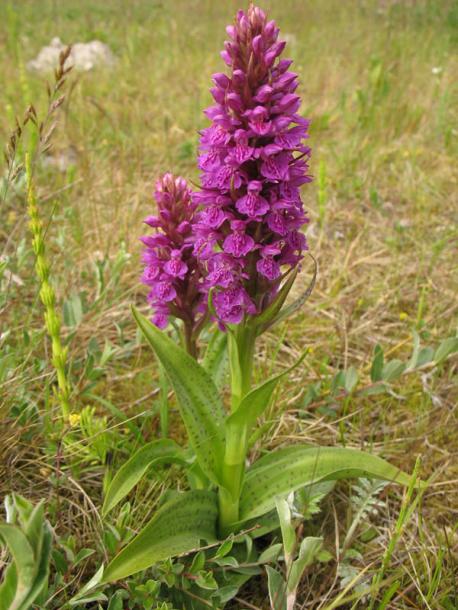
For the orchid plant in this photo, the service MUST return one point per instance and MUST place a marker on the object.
(224, 259)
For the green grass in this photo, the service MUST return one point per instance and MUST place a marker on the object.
(378, 81)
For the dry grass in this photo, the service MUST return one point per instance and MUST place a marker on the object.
(378, 82)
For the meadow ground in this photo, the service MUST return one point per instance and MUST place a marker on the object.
(378, 80)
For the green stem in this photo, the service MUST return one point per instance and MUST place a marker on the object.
(241, 354)
(189, 339)
(241, 344)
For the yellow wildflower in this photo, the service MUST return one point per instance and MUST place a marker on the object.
(74, 419)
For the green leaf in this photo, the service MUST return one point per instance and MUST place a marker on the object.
(85, 592)
(308, 552)
(226, 593)
(227, 561)
(225, 548)
(277, 589)
(60, 561)
(200, 405)
(116, 602)
(25, 566)
(377, 364)
(311, 394)
(392, 370)
(198, 563)
(351, 379)
(324, 556)
(255, 402)
(338, 381)
(284, 471)
(425, 356)
(447, 347)
(206, 580)
(82, 555)
(265, 319)
(288, 533)
(215, 360)
(91, 598)
(33, 528)
(415, 351)
(23, 509)
(177, 527)
(293, 452)
(8, 586)
(378, 388)
(271, 553)
(288, 311)
(308, 499)
(42, 572)
(389, 594)
(133, 470)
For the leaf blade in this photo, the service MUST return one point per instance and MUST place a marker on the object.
(446, 348)
(215, 360)
(130, 473)
(198, 400)
(177, 527)
(285, 471)
(308, 550)
(23, 556)
(277, 589)
(42, 575)
(288, 311)
(254, 403)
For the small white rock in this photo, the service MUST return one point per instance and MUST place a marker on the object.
(85, 56)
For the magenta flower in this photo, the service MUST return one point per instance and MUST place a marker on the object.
(253, 163)
(171, 270)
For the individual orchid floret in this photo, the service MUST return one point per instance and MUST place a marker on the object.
(253, 163)
(172, 272)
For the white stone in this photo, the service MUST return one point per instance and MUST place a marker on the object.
(84, 56)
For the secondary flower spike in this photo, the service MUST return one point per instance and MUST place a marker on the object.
(171, 270)
(253, 162)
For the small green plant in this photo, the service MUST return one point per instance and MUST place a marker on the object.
(47, 294)
(297, 558)
(27, 535)
(326, 394)
(410, 502)
(38, 143)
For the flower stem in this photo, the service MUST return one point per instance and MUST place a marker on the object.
(241, 344)
(189, 339)
(241, 355)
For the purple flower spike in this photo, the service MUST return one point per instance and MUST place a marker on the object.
(253, 162)
(171, 270)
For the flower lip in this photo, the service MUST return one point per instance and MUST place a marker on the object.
(254, 186)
